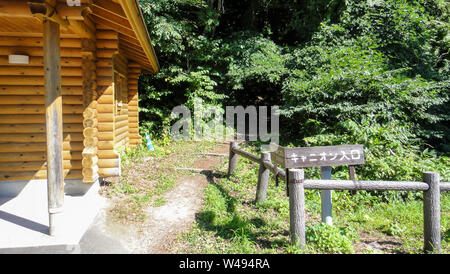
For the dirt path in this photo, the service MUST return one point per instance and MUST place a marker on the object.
(164, 223)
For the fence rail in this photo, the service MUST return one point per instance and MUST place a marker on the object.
(431, 187)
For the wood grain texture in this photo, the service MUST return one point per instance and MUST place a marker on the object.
(54, 120)
(432, 213)
(232, 161)
(297, 207)
(263, 178)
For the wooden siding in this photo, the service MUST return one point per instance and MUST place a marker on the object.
(22, 106)
(134, 70)
(107, 46)
(22, 109)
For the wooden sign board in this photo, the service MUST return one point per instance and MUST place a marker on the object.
(318, 156)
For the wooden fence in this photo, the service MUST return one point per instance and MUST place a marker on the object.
(431, 187)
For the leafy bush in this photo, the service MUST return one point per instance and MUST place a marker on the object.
(330, 239)
(369, 72)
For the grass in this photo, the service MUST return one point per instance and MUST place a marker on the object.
(148, 175)
(230, 221)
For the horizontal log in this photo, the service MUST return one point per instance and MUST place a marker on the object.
(107, 154)
(108, 172)
(123, 116)
(106, 136)
(104, 81)
(121, 143)
(104, 63)
(121, 130)
(105, 145)
(37, 71)
(33, 51)
(37, 90)
(35, 175)
(106, 127)
(133, 75)
(36, 137)
(444, 186)
(133, 130)
(36, 118)
(132, 81)
(132, 108)
(38, 109)
(105, 53)
(36, 156)
(135, 136)
(105, 108)
(132, 118)
(105, 117)
(37, 100)
(135, 141)
(36, 165)
(122, 122)
(106, 34)
(37, 81)
(247, 155)
(105, 90)
(133, 103)
(36, 42)
(119, 139)
(38, 147)
(134, 70)
(104, 72)
(36, 128)
(132, 87)
(107, 44)
(39, 61)
(365, 185)
(108, 163)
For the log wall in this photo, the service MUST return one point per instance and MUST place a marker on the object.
(134, 70)
(120, 64)
(108, 158)
(94, 131)
(22, 109)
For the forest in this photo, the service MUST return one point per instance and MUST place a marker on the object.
(373, 72)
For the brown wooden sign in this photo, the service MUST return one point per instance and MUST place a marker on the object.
(318, 156)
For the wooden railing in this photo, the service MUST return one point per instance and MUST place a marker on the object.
(296, 184)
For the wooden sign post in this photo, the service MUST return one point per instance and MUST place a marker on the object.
(325, 157)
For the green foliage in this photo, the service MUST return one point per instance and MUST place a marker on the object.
(369, 72)
(330, 239)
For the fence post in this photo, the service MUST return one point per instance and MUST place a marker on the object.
(432, 213)
(232, 161)
(297, 206)
(325, 195)
(263, 178)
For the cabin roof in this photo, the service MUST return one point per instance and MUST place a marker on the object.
(123, 16)
(134, 39)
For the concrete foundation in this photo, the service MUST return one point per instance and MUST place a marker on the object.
(24, 217)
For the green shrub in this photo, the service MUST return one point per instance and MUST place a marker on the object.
(330, 239)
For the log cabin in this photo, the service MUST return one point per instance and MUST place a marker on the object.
(68, 88)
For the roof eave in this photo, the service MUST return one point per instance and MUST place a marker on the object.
(136, 19)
